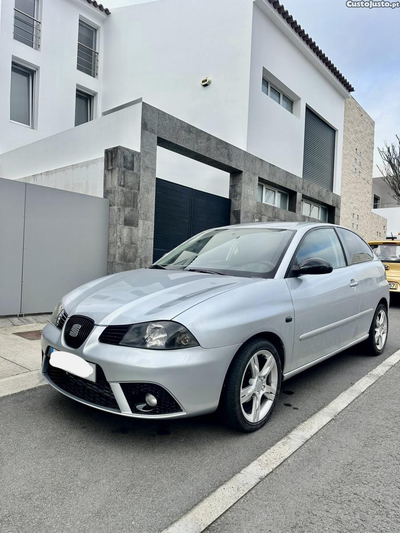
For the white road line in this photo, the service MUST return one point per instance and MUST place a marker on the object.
(219, 501)
(14, 384)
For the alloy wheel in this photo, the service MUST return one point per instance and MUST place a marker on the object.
(381, 327)
(259, 386)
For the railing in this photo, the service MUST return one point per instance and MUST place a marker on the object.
(88, 60)
(381, 206)
(27, 29)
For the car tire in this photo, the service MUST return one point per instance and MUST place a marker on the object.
(376, 341)
(249, 397)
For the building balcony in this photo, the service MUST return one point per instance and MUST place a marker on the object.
(27, 29)
(88, 60)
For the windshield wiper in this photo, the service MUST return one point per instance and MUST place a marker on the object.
(158, 267)
(201, 271)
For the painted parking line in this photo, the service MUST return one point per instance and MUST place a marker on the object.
(26, 381)
(219, 501)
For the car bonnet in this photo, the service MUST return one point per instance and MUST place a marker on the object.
(147, 294)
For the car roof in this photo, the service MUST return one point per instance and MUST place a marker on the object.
(282, 225)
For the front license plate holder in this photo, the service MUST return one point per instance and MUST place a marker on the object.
(73, 364)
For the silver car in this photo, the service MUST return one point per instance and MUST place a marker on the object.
(221, 320)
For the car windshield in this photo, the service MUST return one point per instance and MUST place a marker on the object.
(234, 251)
(387, 252)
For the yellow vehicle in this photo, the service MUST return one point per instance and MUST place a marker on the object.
(388, 251)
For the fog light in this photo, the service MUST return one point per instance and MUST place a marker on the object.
(151, 400)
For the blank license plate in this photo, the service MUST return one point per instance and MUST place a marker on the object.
(73, 364)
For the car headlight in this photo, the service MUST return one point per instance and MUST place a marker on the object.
(58, 311)
(161, 335)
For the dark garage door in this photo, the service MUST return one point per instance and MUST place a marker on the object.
(319, 151)
(182, 212)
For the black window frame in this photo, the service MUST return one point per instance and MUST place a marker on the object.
(87, 57)
(90, 98)
(15, 66)
(28, 24)
(348, 258)
(289, 274)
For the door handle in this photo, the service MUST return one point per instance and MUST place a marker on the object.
(353, 283)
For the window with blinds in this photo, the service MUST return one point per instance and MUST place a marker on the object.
(319, 151)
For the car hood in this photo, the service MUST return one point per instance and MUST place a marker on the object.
(146, 294)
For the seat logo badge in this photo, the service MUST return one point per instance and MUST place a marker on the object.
(75, 330)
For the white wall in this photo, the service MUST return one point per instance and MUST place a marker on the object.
(160, 51)
(392, 214)
(274, 133)
(73, 160)
(380, 188)
(84, 178)
(179, 169)
(76, 145)
(57, 75)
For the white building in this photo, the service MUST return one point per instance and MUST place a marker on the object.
(386, 206)
(38, 67)
(65, 62)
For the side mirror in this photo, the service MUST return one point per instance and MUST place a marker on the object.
(314, 265)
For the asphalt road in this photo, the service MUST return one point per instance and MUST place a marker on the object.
(346, 479)
(65, 467)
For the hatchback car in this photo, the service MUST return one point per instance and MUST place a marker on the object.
(388, 251)
(220, 321)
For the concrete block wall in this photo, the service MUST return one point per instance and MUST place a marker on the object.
(121, 187)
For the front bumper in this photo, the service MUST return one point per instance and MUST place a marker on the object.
(192, 378)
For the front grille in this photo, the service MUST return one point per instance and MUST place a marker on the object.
(77, 330)
(135, 395)
(114, 334)
(62, 317)
(98, 393)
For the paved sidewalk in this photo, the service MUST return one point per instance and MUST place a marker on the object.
(20, 355)
(345, 479)
(9, 321)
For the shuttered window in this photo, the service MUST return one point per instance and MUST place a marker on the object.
(319, 151)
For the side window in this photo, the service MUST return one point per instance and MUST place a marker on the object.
(324, 244)
(356, 249)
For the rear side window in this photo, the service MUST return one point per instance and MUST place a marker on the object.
(322, 244)
(356, 249)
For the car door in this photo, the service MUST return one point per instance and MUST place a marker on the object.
(366, 273)
(326, 306)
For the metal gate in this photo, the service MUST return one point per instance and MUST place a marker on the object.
(319, 151)
(181, 212)
(51, 242)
